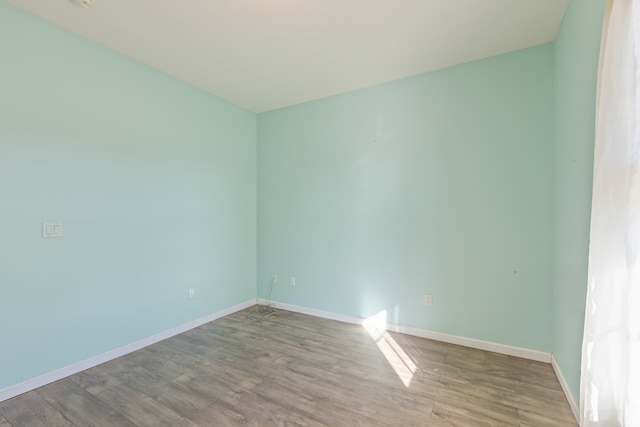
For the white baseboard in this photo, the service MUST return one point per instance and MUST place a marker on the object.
(58, 374)
(314, 312)
(525, 353)
(567, 390)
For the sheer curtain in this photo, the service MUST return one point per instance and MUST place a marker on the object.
(610, 382)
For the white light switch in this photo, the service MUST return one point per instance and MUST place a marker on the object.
(51, 229)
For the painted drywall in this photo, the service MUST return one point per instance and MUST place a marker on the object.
(439, 184)
(153, 180)
(576, 52)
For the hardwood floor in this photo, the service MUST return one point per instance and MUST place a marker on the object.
(297, 370)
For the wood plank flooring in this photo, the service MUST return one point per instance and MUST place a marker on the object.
(297, 370)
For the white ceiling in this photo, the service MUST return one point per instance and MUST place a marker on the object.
(267, 54)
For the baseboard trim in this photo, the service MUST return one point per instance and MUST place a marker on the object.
(565, 387)
(314, 312)
(58, 374)
(525, 353)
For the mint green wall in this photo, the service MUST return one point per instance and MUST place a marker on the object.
(472, 183)
(576, 54)
(439, 183)
(154, 181)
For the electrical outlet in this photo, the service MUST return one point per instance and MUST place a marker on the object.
(192, 293)
(274, 279)
(428, 299)
(292, 280)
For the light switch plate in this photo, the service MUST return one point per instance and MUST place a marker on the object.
(51, 229)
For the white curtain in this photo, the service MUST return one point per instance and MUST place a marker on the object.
(610, 382)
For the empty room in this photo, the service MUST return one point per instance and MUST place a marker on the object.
(338, 213)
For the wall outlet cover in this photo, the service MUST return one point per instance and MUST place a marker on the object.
(428, 299)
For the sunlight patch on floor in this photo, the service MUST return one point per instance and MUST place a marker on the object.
(401, 363)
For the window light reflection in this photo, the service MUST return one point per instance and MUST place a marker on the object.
(401, 363)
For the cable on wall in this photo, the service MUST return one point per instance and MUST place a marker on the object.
(260, 312)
